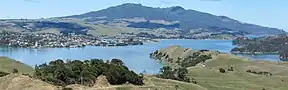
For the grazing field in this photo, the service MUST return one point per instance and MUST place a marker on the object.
(20, 82)
(8, 65)
(238, 79)
(221, 72)
(236, 73)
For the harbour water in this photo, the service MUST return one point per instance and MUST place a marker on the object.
(135, 57)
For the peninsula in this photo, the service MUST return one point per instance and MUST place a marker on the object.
(276, 44)
(220, 71)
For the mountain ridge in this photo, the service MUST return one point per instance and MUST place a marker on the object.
(189, 19)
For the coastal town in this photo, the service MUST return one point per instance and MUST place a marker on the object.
(49, 40)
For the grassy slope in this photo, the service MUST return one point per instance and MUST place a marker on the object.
(7, 65)
(207, 74)
(94, 29)
(151, 82)
(210, 77)
(102, 29)
(20, 82)
(109, 30)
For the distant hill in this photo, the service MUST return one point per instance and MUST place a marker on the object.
(58, 26)
(187, 19)
(135, 18)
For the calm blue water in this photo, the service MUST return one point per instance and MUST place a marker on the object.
(135, 57)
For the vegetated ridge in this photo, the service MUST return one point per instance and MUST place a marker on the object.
(221, 71)
(186, 19)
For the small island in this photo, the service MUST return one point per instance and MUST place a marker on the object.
(262, 45)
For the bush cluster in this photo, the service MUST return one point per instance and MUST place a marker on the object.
(195, 59)
(85, 72)
(179, 74)
(3, 74)
(260, 72)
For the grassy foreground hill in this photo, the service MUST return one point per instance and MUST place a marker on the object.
(18, 81)
(8, 65)
(239, 73)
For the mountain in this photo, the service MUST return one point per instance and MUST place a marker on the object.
(187, 19)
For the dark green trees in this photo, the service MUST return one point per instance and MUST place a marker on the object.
(166, 73)
(85, 72)
(15, 70)
(175, 74)
(222, 70)
(3, 74)
(181, 74)
(195, 59)
(262, 45)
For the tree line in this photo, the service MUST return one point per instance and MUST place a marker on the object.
(85, 72)
(181, 73)
(269, 44)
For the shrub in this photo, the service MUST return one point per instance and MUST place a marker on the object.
(195, 82)
(195, 59)
(3, 74)
(249, 71)
(231, 69)
(179, 74)
(67, 88)
(260, 72)
(222, 70)
(15, 70)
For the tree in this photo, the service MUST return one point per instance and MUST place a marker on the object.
(117, 62)
(166, 72)
(177, 74)
(231, 69)
(180, 74)
(195, 59)
(176, 87)
(249, 71)
(15, 70)
(133, 78)
(116, 75)
(3, 74)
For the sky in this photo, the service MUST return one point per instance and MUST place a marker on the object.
(270, 13)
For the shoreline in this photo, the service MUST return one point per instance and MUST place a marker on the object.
(255, 53)
(155, 41)
(193, 39)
